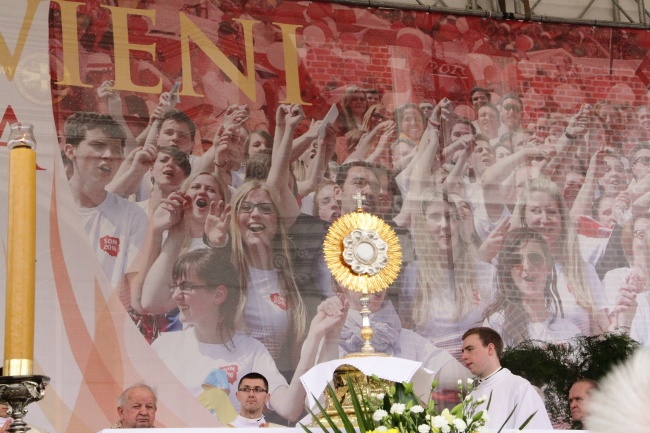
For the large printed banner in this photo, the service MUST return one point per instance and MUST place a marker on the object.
(193, 154)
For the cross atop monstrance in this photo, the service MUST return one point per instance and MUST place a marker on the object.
(359, 199)
(364, 255)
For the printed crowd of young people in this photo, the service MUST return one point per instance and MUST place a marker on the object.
(214, 243)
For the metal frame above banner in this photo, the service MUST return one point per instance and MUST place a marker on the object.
(632, 13)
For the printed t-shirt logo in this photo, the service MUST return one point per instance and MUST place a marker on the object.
(110, 244)
(231, 372)
(280, 301)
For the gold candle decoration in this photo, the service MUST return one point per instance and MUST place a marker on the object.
(21, 252)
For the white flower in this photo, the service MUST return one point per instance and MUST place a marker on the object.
(468, 397)
(482, 429)
(379, 415)
(427, 417)
(439, 422)
(460, 382)
(445, 429)
(423, 428)
(417, 409)
(459, 424)
(381, 428)
(470, 381)
(380, 396)
(398, 408)
(485, 416)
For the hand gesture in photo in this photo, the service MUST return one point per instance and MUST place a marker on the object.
(579, 124)
(170, 211)
(217, 223)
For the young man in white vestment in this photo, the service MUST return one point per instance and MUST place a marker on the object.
(482, 348)
(253, 394)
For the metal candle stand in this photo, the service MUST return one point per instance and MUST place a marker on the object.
(19, 391)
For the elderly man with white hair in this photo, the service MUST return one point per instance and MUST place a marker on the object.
(137, 407)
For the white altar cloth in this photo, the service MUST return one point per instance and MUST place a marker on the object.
(384, 367)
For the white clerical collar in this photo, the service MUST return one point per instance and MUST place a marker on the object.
(242, 422)
(490, 375)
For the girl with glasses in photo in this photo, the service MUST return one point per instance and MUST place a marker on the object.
(175, 226)
(206, 289)
(256, 232)
(527, 305)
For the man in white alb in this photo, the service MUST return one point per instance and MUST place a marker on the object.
(482, 348)
(253, 394)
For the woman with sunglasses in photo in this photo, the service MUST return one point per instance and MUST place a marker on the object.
(527, 305)
(541, 208)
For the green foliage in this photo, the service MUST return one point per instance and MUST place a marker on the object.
(555, 367)
(398, 410)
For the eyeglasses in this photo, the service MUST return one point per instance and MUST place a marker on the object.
(426, 107)
(536, 260)
(248, 207)
(645, 160)
(186, 287)
(378, 115)
(639, 234)
(512, 107)
(248, 389)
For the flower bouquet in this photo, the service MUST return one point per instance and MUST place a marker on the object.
(399, 410)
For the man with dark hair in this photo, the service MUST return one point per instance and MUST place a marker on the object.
(115, 227)
(640, 161)
(177, 129)
(372, 96)
(488, 121)
(253, 394)
(137, 407)
(512, 109)
(482, 349)
(427, 107)
(358, 177)
(461, 127)
(479, 96)
(578, 398)
(376, 187)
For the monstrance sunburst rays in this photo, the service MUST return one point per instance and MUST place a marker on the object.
(363, 254)
(334, 248)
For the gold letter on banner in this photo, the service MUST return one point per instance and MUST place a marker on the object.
(190, 31)
(8, 61)
(291, 77)
(122, 48)
(70, 39)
